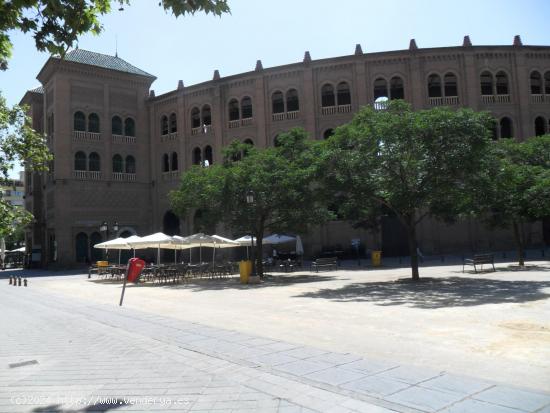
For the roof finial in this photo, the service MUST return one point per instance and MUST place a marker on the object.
(180, 84)
(412, 45)
(517, 40)
(358, 50)
(216, 74)
(467, 42)
(152, 93)
(307, 57)
(259, 65)
(116, 45)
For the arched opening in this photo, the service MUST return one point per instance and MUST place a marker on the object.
(165, 163)
(502, 83)
(327, 96)
(292, 101)
(547, 83)
(208, 157)
(434, 86)
(116, 125)
(164, 125)
(246, 107)
(380, 88)
(233, 110)
(536, 83)
(80, 161)
(93, 123)
(277, 102)
(94, 162)
(276, 141)
(451, 84)
(486, 80)
(130, 165)
(129, 127)
(79, 123)
(197, 156)
(540, 126)
(96, 253)
(117, 163)
(171, 224)
(506, 128)
(173, 123)
(206, 115)
(248, 142)
(397, 88)
(81, 247)
(328, 133)
(195, 118)
(343, 94)
(174, 164)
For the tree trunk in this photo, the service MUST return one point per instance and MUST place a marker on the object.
(259, 251)
(518, 236)
(413, 250)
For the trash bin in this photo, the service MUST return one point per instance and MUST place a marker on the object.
(135, 267)
(376, 258)
(245, 269)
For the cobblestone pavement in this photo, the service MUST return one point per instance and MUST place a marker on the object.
(62, 355)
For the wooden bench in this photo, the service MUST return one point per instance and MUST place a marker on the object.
(330, 262)
(480, 259)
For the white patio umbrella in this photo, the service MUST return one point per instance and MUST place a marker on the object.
(200, 240)
(152, 241)
(222, 242)
(177, 243)
(118, 244)
(246, 241)
(278, 239)
(20, 249)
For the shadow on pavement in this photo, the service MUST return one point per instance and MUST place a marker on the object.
(438, 292)
(98, 407)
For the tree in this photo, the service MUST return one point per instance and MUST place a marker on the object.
(517, 186)
(281, 179)
(415, 164)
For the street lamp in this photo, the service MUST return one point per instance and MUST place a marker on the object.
(250, 201)
(104, 228)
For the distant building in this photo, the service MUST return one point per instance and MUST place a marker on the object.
(119, 149)
(14, 191)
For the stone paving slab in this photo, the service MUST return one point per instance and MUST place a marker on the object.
(85, 351)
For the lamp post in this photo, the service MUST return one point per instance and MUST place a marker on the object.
(104, 228)
(250, 202)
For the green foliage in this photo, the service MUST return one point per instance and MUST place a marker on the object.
(414, 163)
(57, 24)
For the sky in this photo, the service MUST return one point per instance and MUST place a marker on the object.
(279, 32)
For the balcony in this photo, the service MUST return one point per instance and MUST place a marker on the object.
(292, 114)
(234, 124)
(539, 98)
(201, 129)
(87, 175)
(444, 101)
(83, 136)
(278, 116)
(247, 121)
(124, 177)
(344, 108)
(171, 176)
(489, 99)
(169, 137)
(123, 139)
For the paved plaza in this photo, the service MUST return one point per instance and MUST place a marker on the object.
(352, 340)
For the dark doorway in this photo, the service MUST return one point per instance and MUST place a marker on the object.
(81, 247)
(171, 224)
(546, 231)
(394, 237)
(96, 253)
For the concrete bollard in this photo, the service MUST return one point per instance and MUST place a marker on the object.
(25, 282)
(10, 279)
(14, 281)
(19, 281)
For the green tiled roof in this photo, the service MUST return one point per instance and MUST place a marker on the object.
(105, 61)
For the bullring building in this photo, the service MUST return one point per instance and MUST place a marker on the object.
(119, 149)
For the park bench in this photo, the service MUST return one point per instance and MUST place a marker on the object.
(330, 262)
(479, 259)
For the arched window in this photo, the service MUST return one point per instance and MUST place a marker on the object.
(206, 115)
(95, 238)
(234, 110)
(170, 224)
(246, 107)
(116, 125)
(328, 133)
(93, 123)
(81, 247)
(94, 162)
(164, 125)
(117, 163)
(343, 94)
(397, 89)
(248, 142)
(129, 127)
(536, 83)
(547, 83)
(208, 156)
(79, 121)
(165, 163)
(380, 88)
(173, 123)
(486, 80)
(540, 126)
(130, 165)
(506, 128)
(451, 84)
(502, 83)
(292, 101)
(197, 156)
(434, 86)
(195, 118)
(277, 102)
(80, 161)
(174, 163)
(327, 96)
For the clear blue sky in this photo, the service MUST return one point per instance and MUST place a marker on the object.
(278, 32)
